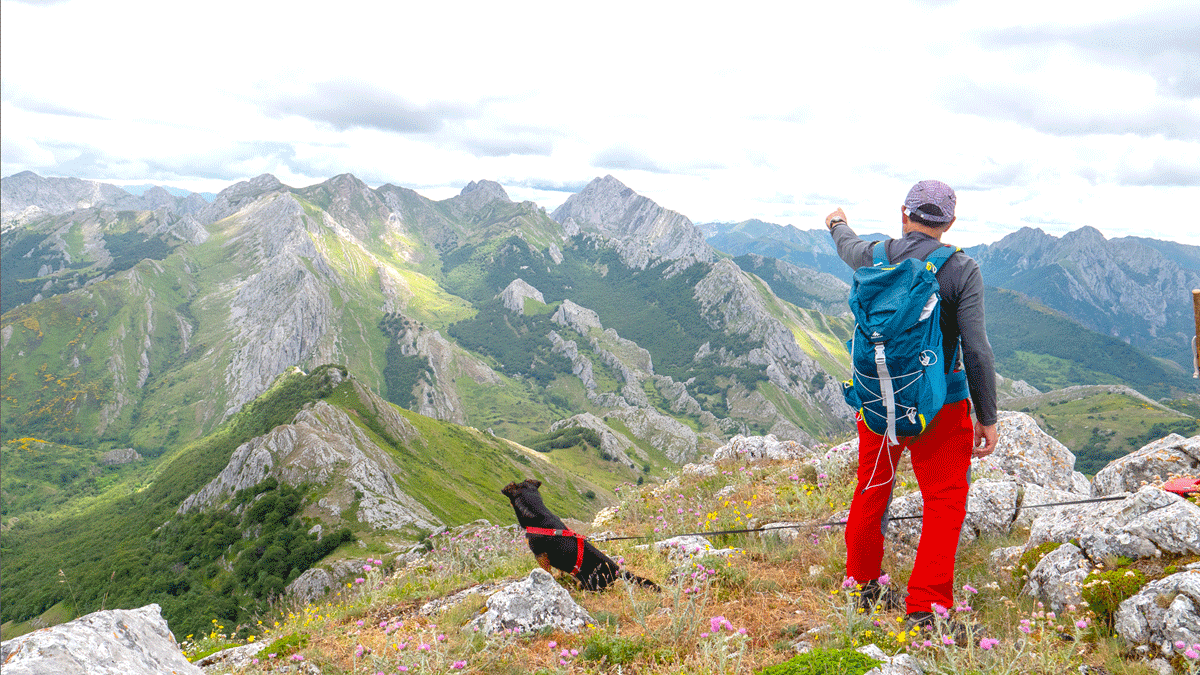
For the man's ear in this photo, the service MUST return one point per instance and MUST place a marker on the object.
(947, 225)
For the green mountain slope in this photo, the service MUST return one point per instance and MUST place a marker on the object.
(1050, 351)
(133, 546)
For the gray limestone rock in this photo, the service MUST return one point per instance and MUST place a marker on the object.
(645, 231)
(1034, 499)
(531, 604)
(312, 584)
(900, 664)
(1163, 612)
(1153, 463)
(1148, 524)
(758, 448)
(112, 642)
(1030, 455)
(118, 457)
(576, 317)
(232, 660)
(676, 439)
(513, 296)
(1004, 560)
(1058, 578)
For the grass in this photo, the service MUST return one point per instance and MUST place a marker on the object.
(736, 614)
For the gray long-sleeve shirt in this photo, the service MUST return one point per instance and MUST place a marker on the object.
(961, 288)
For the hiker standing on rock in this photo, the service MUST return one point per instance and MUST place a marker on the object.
(944, 443)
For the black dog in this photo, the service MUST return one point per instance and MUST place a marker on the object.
(555, 546)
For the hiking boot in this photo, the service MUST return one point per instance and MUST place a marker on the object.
(928, 623)
(875, 596)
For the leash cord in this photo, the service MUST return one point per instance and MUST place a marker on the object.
(833, 523)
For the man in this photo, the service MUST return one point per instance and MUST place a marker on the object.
(941, 456)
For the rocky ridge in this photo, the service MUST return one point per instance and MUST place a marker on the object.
(1124, 287)
(322, 445)
(646, 231)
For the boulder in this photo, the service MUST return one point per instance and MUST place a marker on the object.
(234, 659)
(531, 604)
(991, 507)
(1153, 464)
(1145, 525)
(757, 448)
(112, 642)
(1034, 501)
(685, 547)
(312, 584)
(514, 295)
(1031, 456)
(900, 664)
(1004, 560)
(1058, 578)
(1164, 612)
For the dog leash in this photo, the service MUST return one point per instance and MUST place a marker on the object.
(546, 531)
(842, 522)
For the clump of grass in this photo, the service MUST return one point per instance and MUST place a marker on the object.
(1105, 590)
(823, 662)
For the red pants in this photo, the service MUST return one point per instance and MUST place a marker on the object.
(941, 459)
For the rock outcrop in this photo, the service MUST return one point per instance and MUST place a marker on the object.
(531, 604)
(754, 448)
(1057, 581)
(1163, 613)
(323, 445)
(513, 296)
(1153, 463)
(1031, 456)
(1147, 524)
(112, 642)
(645, 232)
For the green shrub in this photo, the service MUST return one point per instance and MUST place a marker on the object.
(612, 649)
(1105, 591)
(823, 662)
(287, 645)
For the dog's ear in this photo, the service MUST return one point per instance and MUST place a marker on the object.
(511, 490)
(534, 482)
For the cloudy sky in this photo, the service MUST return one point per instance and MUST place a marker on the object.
(1043, 114)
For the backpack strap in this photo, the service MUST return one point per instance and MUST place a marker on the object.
(940, 255)
(881, 256)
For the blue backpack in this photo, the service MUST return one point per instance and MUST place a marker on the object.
(899, 381)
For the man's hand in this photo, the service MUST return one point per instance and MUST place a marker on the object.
(835, 216)
(986, 435)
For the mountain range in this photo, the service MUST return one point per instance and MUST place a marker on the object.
(281, 367)
(1134, 289)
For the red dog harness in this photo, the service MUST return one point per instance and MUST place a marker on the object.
(562, 533)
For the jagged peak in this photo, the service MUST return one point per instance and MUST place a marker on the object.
(260, 183)
(1024, 237)
(1085, 233)
(343, 180)
(489, 188)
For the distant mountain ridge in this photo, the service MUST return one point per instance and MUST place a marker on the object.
(27, 196)
(399, 288)
(1132, 288)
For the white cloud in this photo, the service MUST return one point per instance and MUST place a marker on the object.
(756, 110)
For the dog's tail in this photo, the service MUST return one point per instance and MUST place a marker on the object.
(633, 578)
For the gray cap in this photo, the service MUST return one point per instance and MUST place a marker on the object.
(931, 200)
